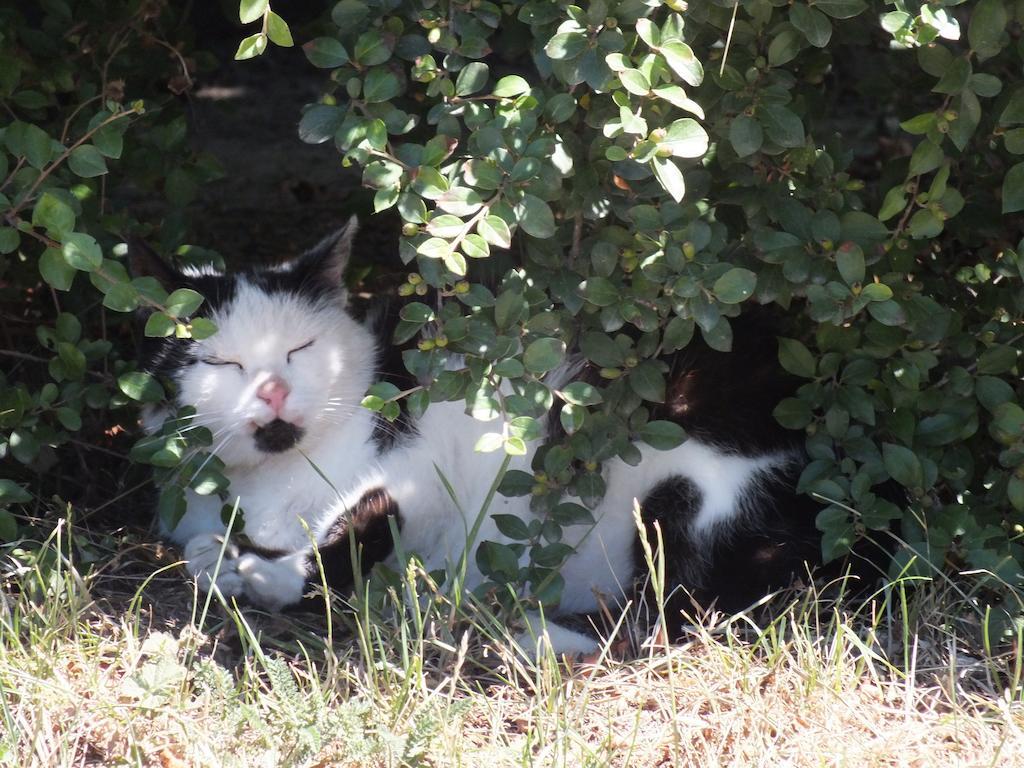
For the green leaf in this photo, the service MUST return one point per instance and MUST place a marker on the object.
(326, 53)
(277, 30)
(602, 350)
(895, 201)
(543, 355)
(600, 291)
(647, 381)
(673, 94)
(348, 14)
(535, 217)
(159, 325)
(877, 292)
(495, 231)
(560, 107)
(202, 328)
(887, 313)
(782, 125)
(566, 45)
(662, 435)
(250, 10)
(445, 225)
(927, 157)
(793, 413)
(69, 327)
(472, 78)
(12, 493)
(734, 286)
(429, 182)
(82, 252)
(796, 358)
(902, 465)
(31, 142)
(648, 32)
(372, 48)
(999, 358)
(633, 80)
(55, 270)
(87, 162)
(454, 262)
(680, 58)
(512, 526)
(925, 223)
(955, 78)
(53, 214)
(511, 85)
(718, 336)
(992, 392)
(183, 302)
(1012, 113)
(813, 23)
(69, 418)
(841, 9)
(121, 297)
(746, 135)
(862, 228)
(1013, 189)
(581, 393)
(850, 261)
(489, 442)
(1007, 425)
(10, 239)
(670, 177)
(1015, 493)
(320, 122)
(251, 46)
(784, 47)
(140, 386)
(381, 85)
(678, 333)
(572, 418)
(685, 138)
(497, 561)
(987, 28)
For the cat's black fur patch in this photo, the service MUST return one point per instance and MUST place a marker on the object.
(369, 522)
(277, 436)
(726, 399)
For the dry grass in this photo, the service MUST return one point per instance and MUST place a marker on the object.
(96, 674)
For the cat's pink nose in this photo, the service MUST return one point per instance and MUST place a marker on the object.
(274, 391)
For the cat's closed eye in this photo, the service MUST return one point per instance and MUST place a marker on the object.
(307, 345)
(216, 361)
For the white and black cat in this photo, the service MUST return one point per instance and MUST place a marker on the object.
(280, 386)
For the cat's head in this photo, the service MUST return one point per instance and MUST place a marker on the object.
(288, 363)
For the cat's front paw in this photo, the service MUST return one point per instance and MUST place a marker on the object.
(202, 554)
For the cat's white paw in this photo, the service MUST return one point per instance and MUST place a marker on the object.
(270, 584)
(202, 553)
(541, 637)
(273, 584)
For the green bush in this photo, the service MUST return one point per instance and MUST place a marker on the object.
(92, 96)
(658, 167)
(646, 171)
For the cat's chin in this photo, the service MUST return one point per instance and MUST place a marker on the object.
(277, 436)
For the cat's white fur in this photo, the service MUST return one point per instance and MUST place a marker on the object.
(286, 501)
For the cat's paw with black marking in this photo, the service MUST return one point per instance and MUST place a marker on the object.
(203, 554)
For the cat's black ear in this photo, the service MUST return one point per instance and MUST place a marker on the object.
(331, 255)
(143, 261)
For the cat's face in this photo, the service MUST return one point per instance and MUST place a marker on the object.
(287, 365)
